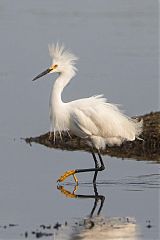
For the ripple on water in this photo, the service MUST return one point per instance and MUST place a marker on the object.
(131, 183)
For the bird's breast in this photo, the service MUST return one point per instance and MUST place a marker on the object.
(59, 117)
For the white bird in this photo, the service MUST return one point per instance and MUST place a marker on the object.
(93, 119)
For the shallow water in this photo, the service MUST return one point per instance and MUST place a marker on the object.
(117, 46)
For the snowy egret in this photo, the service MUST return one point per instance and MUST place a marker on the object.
(93, 119)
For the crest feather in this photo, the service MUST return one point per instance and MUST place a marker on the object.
(59, 54)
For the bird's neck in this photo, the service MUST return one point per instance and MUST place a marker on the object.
(58, 87)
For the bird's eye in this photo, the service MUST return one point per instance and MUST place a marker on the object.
(55, 66)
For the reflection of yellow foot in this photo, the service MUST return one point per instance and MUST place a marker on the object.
(66, 192)
(67, 174)
(75, 189)
(75, 179)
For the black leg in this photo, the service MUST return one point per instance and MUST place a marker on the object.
(100, 158)
(96, 197)
(102, 198)
(96, 166)
(94, 206)
(96, 170)
(102, 167)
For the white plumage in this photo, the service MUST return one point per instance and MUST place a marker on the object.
(93, 118)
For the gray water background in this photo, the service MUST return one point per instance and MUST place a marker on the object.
(117, 45)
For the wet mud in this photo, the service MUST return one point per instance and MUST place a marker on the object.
(146, 149)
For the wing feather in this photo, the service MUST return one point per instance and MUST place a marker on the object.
(95, 116)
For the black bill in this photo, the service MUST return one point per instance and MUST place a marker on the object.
(42, 74)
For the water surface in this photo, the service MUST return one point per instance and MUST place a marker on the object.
(117, 45)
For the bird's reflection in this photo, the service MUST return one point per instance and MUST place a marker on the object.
(97, 198)
(96, 226)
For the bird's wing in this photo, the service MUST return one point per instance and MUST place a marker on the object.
(81, 124)
(95, 116)
(88, 116)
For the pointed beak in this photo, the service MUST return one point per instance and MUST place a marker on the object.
(42, 74)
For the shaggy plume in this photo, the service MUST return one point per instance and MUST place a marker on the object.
(59, 54)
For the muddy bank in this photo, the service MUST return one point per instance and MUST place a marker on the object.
(148, 149)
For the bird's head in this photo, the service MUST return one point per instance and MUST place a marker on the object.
(63, 61)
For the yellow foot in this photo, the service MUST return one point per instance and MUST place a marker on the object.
(66, 192)
(67, 174)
